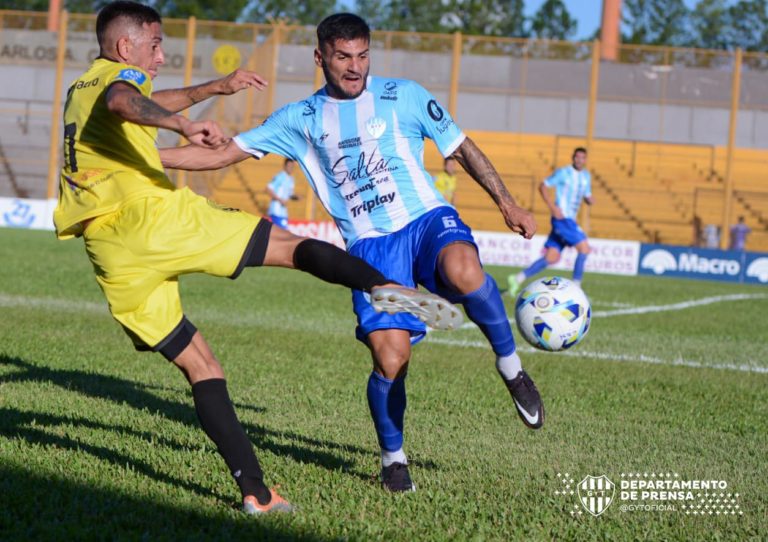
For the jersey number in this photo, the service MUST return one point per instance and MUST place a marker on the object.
(449, 222)
(70, 161)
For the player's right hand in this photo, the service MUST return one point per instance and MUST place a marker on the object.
(519, 221)
(206, 133)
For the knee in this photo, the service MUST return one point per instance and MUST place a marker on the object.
(391, 362)
(462, 271)
(197, 365)
(552, 257)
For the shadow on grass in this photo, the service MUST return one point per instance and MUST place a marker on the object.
(302, 449)
(34, 507)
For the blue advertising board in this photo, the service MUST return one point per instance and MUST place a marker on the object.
(703, 263)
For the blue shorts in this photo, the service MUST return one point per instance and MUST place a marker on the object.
(408, 256)
(565, 233)
(281, 221)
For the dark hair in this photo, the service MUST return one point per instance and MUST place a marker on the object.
(288, 161)
(342, 26)
(579, 149)
(136, 13)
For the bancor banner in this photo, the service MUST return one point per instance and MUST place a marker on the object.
(498, 248)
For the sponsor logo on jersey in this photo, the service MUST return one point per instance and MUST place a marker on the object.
(349, 143)
(86, 84)
(435, 111)
(129, 74)
(365, 167)
(309, 109)
(390, 91)
(369, 205)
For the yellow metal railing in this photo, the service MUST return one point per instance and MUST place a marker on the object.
(265, 48)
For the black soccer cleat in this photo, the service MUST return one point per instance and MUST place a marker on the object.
(527, 400)
(395, 478)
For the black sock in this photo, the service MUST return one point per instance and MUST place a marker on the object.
(220, 423)
(331, 264)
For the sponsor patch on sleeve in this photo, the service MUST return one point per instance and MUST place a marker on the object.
(129, 74)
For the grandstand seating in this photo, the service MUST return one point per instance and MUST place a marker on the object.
(643, 191)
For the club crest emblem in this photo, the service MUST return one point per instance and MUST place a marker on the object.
(376, 126)
(596, 494)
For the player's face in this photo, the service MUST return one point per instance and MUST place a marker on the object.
(146, 51)
(289, 167)
(345, 64)
(579, 160)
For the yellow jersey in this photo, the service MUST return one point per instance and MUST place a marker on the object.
(446, 185)
(108, 162)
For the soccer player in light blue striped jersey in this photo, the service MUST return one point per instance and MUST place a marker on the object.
(572, 185)
(280, 189)
(360, 143)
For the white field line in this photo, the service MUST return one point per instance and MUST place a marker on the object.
(679, 306)
(661, 308)
(580, 353)
(295, 321)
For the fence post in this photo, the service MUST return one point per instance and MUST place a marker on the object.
(453, 94)
(181, 175)
(56, 120)
(728, 182)
(277, 36)
(594, 78)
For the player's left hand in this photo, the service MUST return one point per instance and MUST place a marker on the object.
(240, 80)
(519, 220)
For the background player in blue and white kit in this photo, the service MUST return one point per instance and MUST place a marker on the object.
(281, 190)
(572, 185)
(360, 142)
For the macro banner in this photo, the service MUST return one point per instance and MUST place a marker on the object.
(703, 263)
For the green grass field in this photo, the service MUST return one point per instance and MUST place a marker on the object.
(100, 442)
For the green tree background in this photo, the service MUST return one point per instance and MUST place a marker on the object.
(711, 24)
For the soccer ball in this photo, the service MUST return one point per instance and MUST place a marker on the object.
(553, 313)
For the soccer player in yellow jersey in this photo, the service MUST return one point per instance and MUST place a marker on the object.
(445, 181)
(141, 233)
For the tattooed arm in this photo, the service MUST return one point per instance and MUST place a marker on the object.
(175, 100)
(482, 171)
(129, 104)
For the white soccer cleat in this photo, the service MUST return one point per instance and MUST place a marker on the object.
(431, 309)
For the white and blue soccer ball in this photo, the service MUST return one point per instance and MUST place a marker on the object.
(553, 313)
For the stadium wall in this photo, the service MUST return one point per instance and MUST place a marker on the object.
(670, 103)
(609, 256)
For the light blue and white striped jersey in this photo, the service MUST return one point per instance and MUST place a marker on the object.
(364, 157)
(282, 186)
(571, 187)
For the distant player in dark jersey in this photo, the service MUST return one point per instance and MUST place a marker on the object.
(360, 142)
(739, 232)
(572, 185)
(141, 233)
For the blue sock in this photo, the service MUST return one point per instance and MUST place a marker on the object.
(386, 399)
(485, 307)
(578, 268)
(536, 267)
